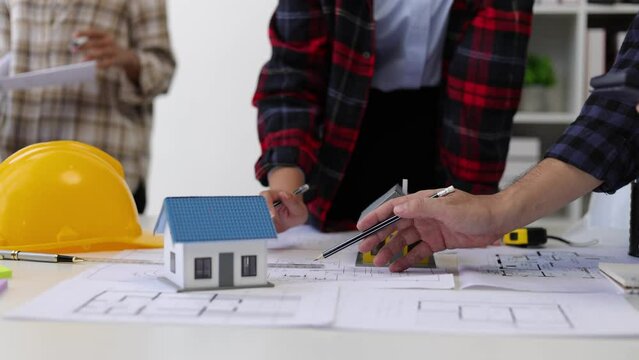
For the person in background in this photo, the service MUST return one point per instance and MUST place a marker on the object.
(599, 151)
(361, 94)
(128, 39)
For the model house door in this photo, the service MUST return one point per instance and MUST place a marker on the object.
(226, 269)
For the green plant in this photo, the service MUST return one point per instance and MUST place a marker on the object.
(539, 71)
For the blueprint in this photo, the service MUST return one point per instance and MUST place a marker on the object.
(340, 269)
(287, 267)
(557, 270)
(481, 312)
(134, 293)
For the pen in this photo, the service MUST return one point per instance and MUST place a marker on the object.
(370, 231)
(300, 190)
(78, 42)
(29, 256)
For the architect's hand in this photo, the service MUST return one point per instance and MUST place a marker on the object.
(457, 220)
(293, 211)
(290, 213)
(102, 47)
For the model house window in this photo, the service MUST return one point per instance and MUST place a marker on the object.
(249, 265)
(172, 262)
(203, 268)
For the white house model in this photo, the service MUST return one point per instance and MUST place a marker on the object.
(215, 242)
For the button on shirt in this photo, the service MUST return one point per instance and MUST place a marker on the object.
(409, 39)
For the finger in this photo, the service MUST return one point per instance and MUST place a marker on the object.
(91, 33)
(268, 197)
(369, 243)
(419, 207)
(430, 232)
(278, 225)
(294, 209)
(637, 108)
(386, 210)
(292, 212)
(99, 43)
(100, 53)
(396, 246)
(105, 63)
(376, 216)
(293, 204)
(414, 256)
(387, 253)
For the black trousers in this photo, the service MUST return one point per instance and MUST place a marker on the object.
(397, 140)
(139, 195)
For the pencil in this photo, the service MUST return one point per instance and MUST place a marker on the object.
(375, 228)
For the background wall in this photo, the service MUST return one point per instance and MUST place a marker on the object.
(205, 137)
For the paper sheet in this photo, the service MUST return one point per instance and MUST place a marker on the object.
(57, 76)
(307, 237)
(487, 312)
(340, 270)
(5, 64)
(557, 270)
(294, 267)
(134, 293)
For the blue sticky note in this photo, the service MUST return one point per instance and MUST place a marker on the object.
(3, 285)
(5, 272)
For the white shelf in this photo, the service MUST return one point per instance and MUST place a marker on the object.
(615, 9)
(560, 33)
(556, 9)
(549, 118)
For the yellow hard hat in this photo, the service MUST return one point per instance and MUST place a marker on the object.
(66, 196)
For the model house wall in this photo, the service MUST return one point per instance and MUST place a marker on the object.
(173, 259)
(235, 250)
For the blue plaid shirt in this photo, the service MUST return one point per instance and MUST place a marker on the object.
(604, 140)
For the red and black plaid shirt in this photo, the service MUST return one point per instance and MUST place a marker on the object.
(312, 93)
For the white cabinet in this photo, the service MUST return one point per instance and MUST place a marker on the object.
(560, 33)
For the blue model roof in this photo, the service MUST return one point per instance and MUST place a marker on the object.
(216, 218)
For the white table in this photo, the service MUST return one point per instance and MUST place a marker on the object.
(47, 340)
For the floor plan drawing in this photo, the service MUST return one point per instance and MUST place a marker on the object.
(150, 304)
(481, 311)
(342, 269)
(285, 267)
(135, 293)
(524, 315)
(538, 270)
(546, 264)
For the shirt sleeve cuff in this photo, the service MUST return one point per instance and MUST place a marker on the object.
(149, 83)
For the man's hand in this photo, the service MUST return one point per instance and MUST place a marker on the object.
(102, 47)
(458, 220)
(290, 213)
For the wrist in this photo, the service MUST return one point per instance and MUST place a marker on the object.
(505, 211)
(286, 178)
(131, 65)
